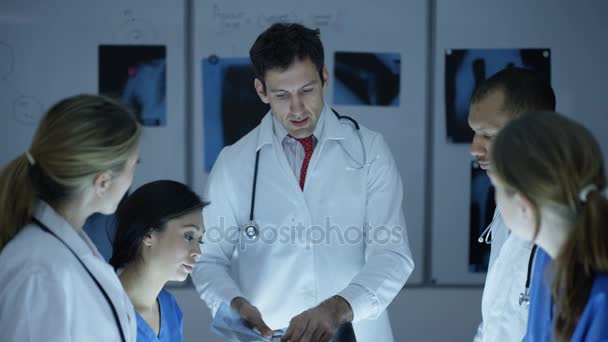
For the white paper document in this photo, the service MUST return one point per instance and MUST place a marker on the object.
(229, 324)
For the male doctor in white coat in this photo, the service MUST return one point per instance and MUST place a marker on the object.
(496, 101)
(329, 243)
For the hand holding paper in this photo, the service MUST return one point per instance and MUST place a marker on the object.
(319, 323)
(229, 323)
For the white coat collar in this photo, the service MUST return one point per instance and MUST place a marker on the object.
(78, 241)
(332, 129)
(88, 254)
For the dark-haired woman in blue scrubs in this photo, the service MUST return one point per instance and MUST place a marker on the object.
(157, 240)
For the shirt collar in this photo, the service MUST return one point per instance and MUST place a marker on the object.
(328, 128)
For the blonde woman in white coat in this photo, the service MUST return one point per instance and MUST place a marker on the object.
(54, 284)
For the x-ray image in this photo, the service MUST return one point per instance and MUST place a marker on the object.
(465, 69)
(367, 78)
(136, 75)
(482, 211)
(231, 106)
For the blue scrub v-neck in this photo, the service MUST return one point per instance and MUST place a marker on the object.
(171, 320)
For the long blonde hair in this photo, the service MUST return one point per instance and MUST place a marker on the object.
(78, 138)
(549, 159)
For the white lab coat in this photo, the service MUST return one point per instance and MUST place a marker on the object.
(47, 295)
(503, 319)
(283, 275)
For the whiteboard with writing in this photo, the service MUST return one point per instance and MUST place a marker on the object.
(49, 50)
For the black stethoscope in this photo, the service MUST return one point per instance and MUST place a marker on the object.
(251, 230)
(524, 297)
(103, 291)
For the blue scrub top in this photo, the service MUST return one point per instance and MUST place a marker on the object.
(170, 322)
(101, 229)
(593, 323)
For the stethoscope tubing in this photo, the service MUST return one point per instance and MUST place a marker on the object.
(251, 230)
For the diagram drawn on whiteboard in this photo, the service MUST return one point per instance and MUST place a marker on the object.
(26, 109)
(135, 30)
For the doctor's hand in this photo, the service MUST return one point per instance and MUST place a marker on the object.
(251, 314)
(319, 323)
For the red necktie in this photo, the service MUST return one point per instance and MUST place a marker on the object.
(307, 144)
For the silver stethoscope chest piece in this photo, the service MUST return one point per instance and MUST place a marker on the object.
(524, 298)
(251, 231)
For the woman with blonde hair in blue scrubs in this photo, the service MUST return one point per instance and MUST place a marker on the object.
(551, 189)
(158, 237)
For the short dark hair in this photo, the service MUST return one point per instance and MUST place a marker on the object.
(523, 89)
(281, 44)
(147, 210)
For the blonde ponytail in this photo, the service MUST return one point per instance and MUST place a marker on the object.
(16, 198)
(78, 138)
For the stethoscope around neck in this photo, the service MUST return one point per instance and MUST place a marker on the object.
(103, 291)
(524, 297)
(251, 230)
